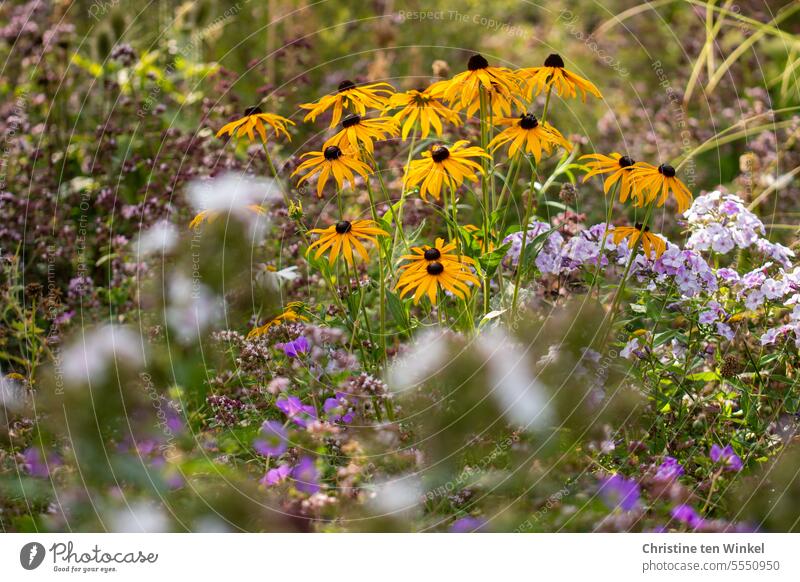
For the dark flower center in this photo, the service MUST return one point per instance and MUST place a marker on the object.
(346, 86)
(528, 121)
(554, 60)
(351, 120)
(255, 110)
(639, 227)
(626, 161)
(343, 226)
(440, 153)
(332, 153)
(666, 170)
(477, 62)
(432, 254)
(435, 268)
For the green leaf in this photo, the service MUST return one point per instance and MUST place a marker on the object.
(490, 261)
(703, 377)
(398, 310)
(492, 315)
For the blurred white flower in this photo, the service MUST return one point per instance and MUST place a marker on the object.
(272, 280)
(191, 308)
(91, 354)
(160, 238)
(419, 363)
(139, 517)
(401, 495)
(519, 395)
(236, 195)
(12, 395)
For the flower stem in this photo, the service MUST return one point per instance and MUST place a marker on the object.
(487, 212)
(382, 281)
(521, 261)
(634, 250)
(603, 242)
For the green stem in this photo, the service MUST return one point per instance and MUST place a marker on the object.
(382, 304)
(521, 261)
(399, 219)
(274, 172)
(603, 242)
(485, 191)
(634, 250)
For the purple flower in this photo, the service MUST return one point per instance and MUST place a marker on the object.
(669, 470)
(275, 476)
(617, 491)
(727, 457)
(306, 476)
(686, 514)
(294, 348)
(274, 441)
(338, 409)
(36, 465)
(468, 525)
(294, 408)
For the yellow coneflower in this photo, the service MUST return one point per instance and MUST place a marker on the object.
(211, 215)
(343, 237)
(424, 255)
(463, 91)
(332, 161)
(254, 119)
(553, 74)
(357, 130)
(424, 276)
(443, 165)
(350, 96)
(662, 180)
(289, 314)
(423, 108)
(650, 242)
(528, 134)
(620, 169)
(499, 99)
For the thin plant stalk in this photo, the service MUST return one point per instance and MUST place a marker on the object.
(525, 226)
(605, 237)
(382, 280)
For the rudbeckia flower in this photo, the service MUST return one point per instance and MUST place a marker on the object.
(343, 237)
(425, 277)
(289, 314)
(652, 181)
(463, 90)
(620, 169)
(553, 75)
(254, 119)
(332, 161)
(350, 96)
(442, 164)
(528, 134)
(423, 108)
(356, 130)
(499, 99)
(425, 255)
(650, 242)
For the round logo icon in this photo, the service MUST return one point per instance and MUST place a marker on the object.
(31, 555)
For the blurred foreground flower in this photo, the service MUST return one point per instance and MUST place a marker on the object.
(618, 492)
(232, 195)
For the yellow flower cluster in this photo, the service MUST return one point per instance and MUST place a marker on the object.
(374, 112)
